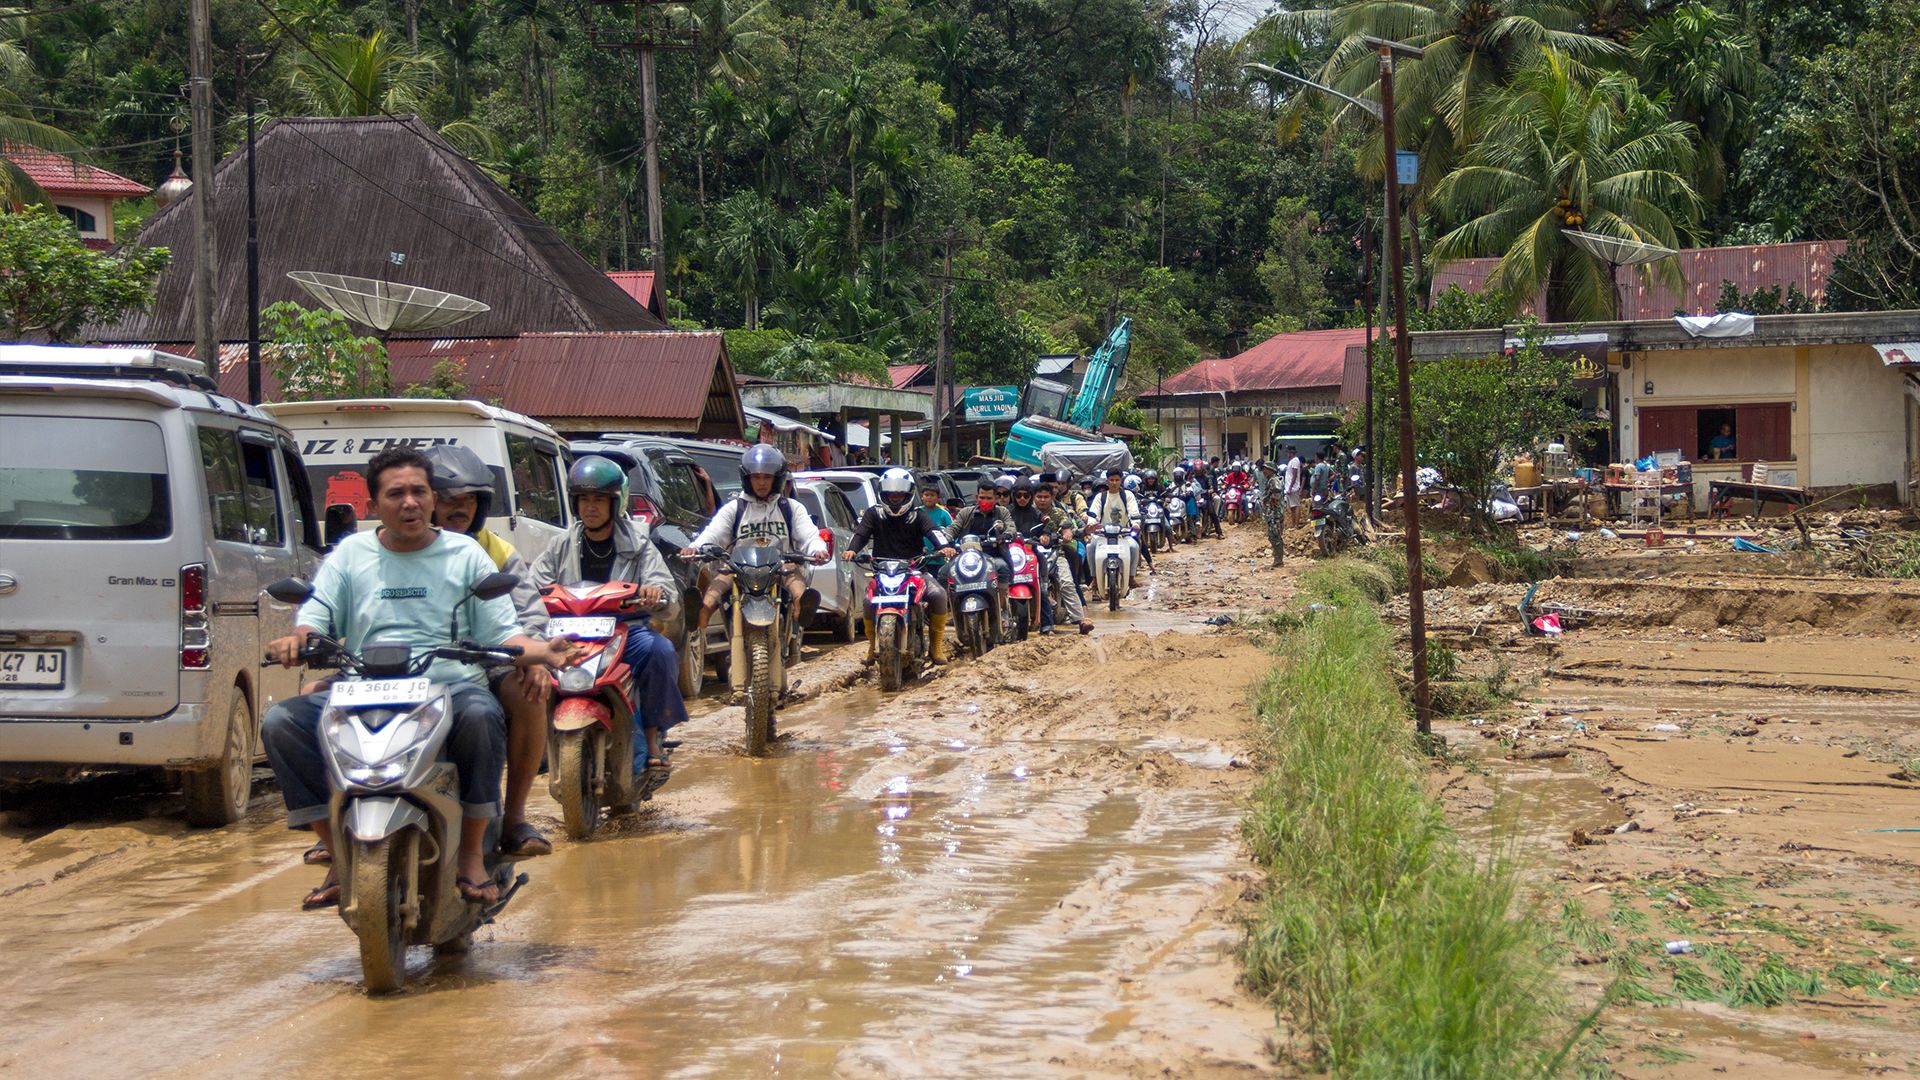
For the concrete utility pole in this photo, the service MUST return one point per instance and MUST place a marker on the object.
(647, 39)
(940, 351)
(206, 338)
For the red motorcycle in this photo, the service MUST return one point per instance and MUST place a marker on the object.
(1023, 590)
(1236, 505)
(591, 735)
(898, 596)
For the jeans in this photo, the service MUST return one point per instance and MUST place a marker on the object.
(477, 746)
(656, 685)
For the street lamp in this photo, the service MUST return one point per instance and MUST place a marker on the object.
(1402, 353)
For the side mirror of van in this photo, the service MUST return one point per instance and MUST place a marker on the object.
(290, 591)
(341, 522)
(495, 585)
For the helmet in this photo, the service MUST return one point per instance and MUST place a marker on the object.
(1003, 486)
(1133, 483)
(763, 460)
(595, 475)
(457, 470)
(1179, 472)
(1026, 485)
(896, 491)
(1061, 476)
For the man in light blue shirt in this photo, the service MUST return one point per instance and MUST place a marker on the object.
(404, 583)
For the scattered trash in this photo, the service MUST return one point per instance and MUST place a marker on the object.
(1631, 826)
(1743, 544)
(1573, 535)
(972, 707)
(1548, 624)
(1678, 948)
(1220, 620)
(1667, 727)
(1609, 533)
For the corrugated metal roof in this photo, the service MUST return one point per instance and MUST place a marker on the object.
(59, 174)
(639, 285)
(1307, 359)
(1055, 363)
(903, 375)
(1750, 267)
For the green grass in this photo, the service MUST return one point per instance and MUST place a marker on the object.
(1876, 926)
(1389, 948)
(1774, 982)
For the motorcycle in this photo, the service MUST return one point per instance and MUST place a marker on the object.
(1046, 556)
(395, 806)
(1235, 506)
(590, 732)
(974, 583)
(1153, 524)
(897, 595)
(1023, 588)
(1115, 561)
(1178, 530)
(759, 629)
(1333, 527)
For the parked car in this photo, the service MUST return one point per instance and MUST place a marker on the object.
(841, 584)
(966, 481)
(527, 458)
(949, 489)
(141, 514)
(862, 489)
(721, 460)
(672, 494)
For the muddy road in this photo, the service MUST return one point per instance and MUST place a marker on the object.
(1025, 866)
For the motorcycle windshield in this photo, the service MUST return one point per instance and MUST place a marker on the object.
(755, 554)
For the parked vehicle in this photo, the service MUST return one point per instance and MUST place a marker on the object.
(140, 514)
(761, 629)
(862, 489)
(898, 595)
(590, 734)
(674, 496)
(395, 810)
(527, 458)
(840, 582)
(1333, 525)
(966, 481)
(948, 487)
(719, 460)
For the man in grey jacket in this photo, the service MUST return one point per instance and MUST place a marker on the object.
(605, 544)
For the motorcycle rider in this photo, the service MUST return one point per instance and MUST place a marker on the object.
(1203, 476)
(989, 509)
(462, 498)
(1060, 526)
(899, 530)
(397, 584)
(606, 544)
(1115, 506)
(763, 510)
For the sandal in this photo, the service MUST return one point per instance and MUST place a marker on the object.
(485, 893)
(324, 895)
(658, 766)
(317, 855)
(523, 841)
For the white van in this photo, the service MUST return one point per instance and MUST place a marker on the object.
(141, 514)
(528, 458)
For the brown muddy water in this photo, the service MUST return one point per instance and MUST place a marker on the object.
(932, 885)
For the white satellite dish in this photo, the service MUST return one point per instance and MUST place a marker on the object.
(1616, 252)
(388, 306)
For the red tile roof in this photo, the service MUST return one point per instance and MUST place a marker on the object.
(1307, 359)
(58, 174)
(639, 285)
(1751, 267)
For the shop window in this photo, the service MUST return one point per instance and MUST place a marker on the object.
(1762, 432)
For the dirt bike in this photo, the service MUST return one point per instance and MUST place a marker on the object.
(395, 807)
(590, 732)
(897, 596)
(1333, 527)
(760, 629)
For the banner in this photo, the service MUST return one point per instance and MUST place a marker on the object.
(991, 404)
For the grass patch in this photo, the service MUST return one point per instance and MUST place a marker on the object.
(1391, 949)
(1876, 926)
(1689, 981)
(1774, 982)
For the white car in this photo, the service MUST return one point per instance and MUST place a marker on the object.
(842, 585)
(862, 489)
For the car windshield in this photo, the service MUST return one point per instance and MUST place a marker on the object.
(82, 478)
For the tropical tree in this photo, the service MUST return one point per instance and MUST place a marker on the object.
(350, 75)
(1559, 153)
(1707, 66)
(748, 247)
(51, 284)
(853, 117)
(716, 115)
(730, 37)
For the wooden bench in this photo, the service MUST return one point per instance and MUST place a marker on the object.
(1721, 493)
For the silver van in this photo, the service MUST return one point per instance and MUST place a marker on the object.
(141, 514)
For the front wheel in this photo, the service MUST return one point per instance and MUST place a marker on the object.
(761, 693)
(380, 912)
(1113, 588)
(693, 663)
(573, 786)
(973, 633)
(1022, 615)
(887, 644)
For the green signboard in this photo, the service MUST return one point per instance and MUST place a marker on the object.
(991, 404)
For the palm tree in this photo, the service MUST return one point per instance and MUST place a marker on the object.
(748, 247)
(731, 37)
(534, 16)
(92, 26)
(719, 113)
(1707, 65)
(348, 75)
(950, 57)
(892, 171)
(854, 117)
(770, 129)
(459, 35)
(1559, 153)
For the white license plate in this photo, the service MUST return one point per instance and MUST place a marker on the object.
(40, 669)
(369, 693)
(585, 627)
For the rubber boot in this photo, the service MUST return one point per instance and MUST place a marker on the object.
(937, 638)
(873, 640)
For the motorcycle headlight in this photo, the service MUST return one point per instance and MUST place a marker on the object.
(581, 677)
(972, 563)
(378, 758)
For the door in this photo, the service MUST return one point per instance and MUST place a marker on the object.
(297, 554)
(245, 523)
(538, 510)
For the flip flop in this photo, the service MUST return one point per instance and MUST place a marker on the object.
(523, 841)
(658, 766)
(475, 892)
(317, 855)
(325, 895)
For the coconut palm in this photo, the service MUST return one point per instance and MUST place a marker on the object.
(349, 75)
(718, 113)
(749, 247)
(17, 126)
(1707, 65)
(1558, 152)
(853, 117)
(730, 35)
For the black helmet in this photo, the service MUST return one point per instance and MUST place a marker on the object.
(763, 460)
(595, 475)
(457, 470)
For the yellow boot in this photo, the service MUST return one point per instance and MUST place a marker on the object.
(937, 638)
(873, 640)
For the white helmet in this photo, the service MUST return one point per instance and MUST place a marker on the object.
(896, 482)
(1133, 483)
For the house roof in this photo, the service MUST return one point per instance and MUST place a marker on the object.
(58, 174)
(1307, 359)
(903, 376)
(1055, 363)
(639, 284)
(1750, 267)
(345, 195)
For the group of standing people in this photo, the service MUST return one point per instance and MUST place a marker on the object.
(1334, 469)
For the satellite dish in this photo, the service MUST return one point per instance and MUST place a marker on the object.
(1618, 251)
(388, 306)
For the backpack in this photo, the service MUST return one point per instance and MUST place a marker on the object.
(786, 514)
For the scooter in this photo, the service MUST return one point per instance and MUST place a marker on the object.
(974, 583)
(1023, 588)
(1236, 506)
(1153, 524)
(1333, 527)
(759, 629)
(395, 808)
(1177, 520)
(590, 733)
(897, 595)
(1114, 557)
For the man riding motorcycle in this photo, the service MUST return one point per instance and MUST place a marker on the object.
(899, 530)
(1060, 527)
(989, 509)
(396, 585)
(1115, 506)
(762, 510)
(606, 544)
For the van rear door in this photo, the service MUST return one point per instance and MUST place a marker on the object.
(92, 506)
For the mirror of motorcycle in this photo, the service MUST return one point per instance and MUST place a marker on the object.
(290, 591)
(494, 585)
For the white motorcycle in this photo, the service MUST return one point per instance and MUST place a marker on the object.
(1110, 554)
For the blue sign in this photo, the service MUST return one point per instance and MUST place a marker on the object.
(1407, 164)
(987, 404)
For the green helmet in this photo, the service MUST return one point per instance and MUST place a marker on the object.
(597, 475)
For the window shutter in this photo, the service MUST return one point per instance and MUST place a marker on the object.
(1669, 428)
(1764, 432)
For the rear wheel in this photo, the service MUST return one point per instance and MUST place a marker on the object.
(379, 902)
(888, 646)
(1022, 613)
(1113, 589)
(218, 795)
(573, 787)
(761, 693)
(1327, 545)
(693, 663)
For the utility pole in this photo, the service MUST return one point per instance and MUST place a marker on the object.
(1366, 302)
(646, 40)
(206, 339)
(249, 66)
(940, 350)
(1403, 361)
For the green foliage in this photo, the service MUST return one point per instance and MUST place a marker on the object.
(751, 350)
(1765, 301)
(448, 382)
(316, 356)
(1457, 309)
(51, 284)
(1294, 270)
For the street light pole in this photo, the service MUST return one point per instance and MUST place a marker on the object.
(1403, 360)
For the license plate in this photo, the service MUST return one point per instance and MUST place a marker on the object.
(368, 693)
(40, 669)
(585, 627)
